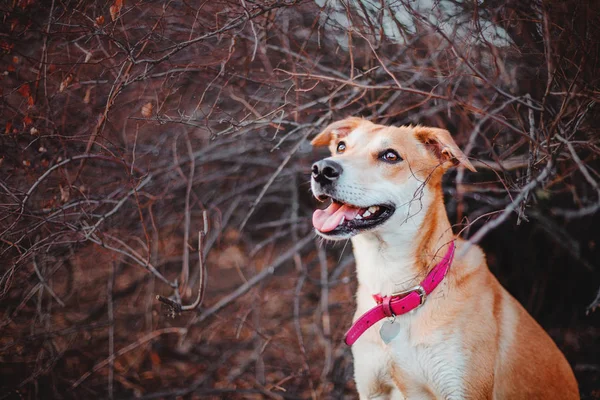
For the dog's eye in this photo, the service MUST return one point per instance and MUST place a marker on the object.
(390, 156)
(341, 147)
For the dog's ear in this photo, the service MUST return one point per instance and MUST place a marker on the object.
(337, 129)
(440, 143)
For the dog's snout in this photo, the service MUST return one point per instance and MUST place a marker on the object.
(326, 171)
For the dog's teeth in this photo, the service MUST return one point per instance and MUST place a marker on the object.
(366, 213)
(358, 216)
(373, 209)
(341, 221)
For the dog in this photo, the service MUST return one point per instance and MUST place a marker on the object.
(432, 322)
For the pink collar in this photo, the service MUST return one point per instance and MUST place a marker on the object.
(401, 302)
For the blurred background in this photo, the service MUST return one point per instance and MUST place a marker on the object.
(139, 138)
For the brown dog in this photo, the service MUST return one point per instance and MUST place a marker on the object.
(466, 336)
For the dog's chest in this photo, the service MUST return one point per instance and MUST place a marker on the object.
(435, 362)
(423, 363)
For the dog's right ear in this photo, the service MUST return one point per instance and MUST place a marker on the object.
(336, 130)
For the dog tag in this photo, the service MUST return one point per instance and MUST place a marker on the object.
(388, 331)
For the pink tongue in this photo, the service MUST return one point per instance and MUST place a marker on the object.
(328, 219)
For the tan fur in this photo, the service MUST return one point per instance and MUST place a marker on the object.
(501, 351)
(400, 379)
(337, 130)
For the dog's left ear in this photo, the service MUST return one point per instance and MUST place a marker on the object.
(338, 129)
(440, 143)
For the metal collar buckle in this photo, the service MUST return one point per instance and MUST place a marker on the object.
(420, 290)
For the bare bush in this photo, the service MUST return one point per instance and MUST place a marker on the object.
(142, 138)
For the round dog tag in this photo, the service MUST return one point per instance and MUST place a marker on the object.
(388, 331)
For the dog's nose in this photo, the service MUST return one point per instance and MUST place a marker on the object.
(326, 171)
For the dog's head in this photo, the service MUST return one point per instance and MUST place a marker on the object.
(378, 176)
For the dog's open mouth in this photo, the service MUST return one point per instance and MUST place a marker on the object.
(343, 219)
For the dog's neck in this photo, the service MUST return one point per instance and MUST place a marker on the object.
(400, 257)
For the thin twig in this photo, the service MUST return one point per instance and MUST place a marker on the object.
(176, 307)
(264, 273)
(484, 230)
(111, 331)
(143, 340)
(44, 283)
(185, 268)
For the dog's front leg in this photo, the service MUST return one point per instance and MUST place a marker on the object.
(371, 372)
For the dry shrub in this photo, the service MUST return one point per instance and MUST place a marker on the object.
(130, 127)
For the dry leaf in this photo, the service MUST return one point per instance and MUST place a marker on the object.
(86, 98)
(147, 109)
(65, 83)
(100, 20)
(232, 235)
(113, 12)
(230, 257)
(155, 358)
(115, 9)
(5, 46)
(64, 194)
(24, 90)
(33, 131)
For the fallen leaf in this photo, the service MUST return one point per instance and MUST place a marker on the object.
(100, 20)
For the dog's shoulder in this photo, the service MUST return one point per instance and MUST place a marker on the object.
(469, 254)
